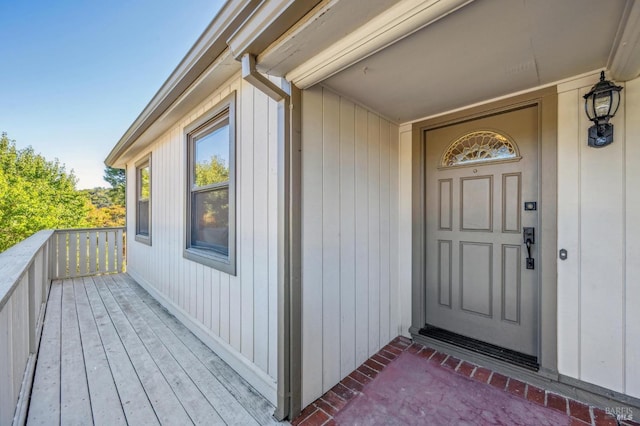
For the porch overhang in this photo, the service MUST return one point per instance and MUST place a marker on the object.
(410, 59)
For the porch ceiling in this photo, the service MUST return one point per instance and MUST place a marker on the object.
(483, 50)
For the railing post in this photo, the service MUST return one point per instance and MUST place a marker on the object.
(120, 249)
(33, 318)
(52, 256)
(93, 247)
(61, 255)
(46, 272)
(111, 251)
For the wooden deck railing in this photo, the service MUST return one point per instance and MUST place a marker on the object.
(83, 252)
(26, 271)
(24, 285)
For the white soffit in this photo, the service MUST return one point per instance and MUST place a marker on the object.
(625, 60)
(486, 49)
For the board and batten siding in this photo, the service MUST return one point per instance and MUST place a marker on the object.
(349, 237)
(405, 227)
(237, 315)
(599, 226)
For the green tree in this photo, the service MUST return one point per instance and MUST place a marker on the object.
(105, 211)
(106, 217)
(35, 194)
(210, 172)
(100, 197)
(118, 181)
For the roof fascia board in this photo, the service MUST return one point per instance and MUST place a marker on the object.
(267, 22)
(396, 23)
(625, 58)
(206, 49)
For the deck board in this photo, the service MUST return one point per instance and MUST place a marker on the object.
(259, 408)
(209, 385)
(110, 354)
(105, 401)
(196, 406)
(134, 400)
(75, 405)
(45, 402)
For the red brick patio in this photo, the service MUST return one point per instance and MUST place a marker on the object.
(340, 405)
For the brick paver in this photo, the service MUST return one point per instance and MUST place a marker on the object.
(324, 410)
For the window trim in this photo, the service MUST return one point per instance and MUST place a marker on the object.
(139, 165)
(225, 108)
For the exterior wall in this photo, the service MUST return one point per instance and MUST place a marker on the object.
(349, 237)
(598, 285)
(236, 315)
(405, 231)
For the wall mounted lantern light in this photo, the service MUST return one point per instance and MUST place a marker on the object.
(601, 104)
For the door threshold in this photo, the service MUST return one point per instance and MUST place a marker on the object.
(507, 355)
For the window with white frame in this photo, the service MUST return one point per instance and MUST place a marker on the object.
(143, 200)
(210, 209)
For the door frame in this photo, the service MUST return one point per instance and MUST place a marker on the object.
(547, 102)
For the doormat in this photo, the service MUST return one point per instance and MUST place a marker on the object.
(523, 360)
(413, 391)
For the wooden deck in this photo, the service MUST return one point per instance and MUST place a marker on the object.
(110, 354)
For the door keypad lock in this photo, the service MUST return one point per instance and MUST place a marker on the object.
(529, 239)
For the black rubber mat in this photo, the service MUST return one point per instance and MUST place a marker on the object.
(517, 358)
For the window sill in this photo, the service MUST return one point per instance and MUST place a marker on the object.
(144, 239)
(209, 258)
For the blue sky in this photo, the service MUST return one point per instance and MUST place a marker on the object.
(74, 74)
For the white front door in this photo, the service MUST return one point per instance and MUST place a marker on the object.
(479, 174)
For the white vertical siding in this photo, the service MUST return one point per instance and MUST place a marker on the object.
(395, 280)
(597, 223)
(405, 233)
(330, 193)
(238, 312)
(347, 243)
(361, 235)
(632, 237)
(349, 223)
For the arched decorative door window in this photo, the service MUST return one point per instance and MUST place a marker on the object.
(480, 146)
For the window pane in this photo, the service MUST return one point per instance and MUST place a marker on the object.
(211, 157)
(210, 220)
(144, 183)
(479, 147)
(143, 217)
